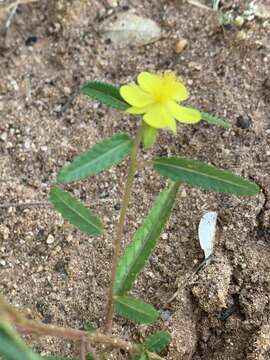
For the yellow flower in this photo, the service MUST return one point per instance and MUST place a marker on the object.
(156, 97)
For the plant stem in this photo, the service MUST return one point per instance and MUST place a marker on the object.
(120, 227)
(31, 327)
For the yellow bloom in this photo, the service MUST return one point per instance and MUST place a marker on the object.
(156, 97)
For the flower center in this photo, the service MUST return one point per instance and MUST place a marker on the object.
(165, 90)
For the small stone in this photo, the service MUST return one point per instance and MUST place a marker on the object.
(244, 121)
(69, 238)
(4, 232)
(165, 315)
(50, 239)
(3, 136)
(112, 3)
(2, 262)
(27, 144)
(39, 269)
(195, 66)
(67, 90)
(180, 45)
(117, 206)
(44, 148)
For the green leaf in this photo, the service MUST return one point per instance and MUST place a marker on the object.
(149, 136)
(135, 310)
(58, 358)
(100, 157)
(12, 347)
(144, 240)
(107, 94)
(88, 326)
(143, 356)
(208, 177)
(157, 341)
(215, 120)
(75, 212)
(89, 357)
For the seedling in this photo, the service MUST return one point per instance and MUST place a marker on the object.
(155, 100)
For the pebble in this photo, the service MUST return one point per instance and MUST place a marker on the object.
(4, 231)
(165, 315)
(244, 121)
(2, 262)
(50, 239)
(67, 90)
(3, 136)
(69, 238)
(27, 144)
(180, 45)
(195, 66)
(112, 3)
(44, 148)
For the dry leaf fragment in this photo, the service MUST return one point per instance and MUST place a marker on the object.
(180, 45)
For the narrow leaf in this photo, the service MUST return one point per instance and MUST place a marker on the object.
(215, 120)
(158, 341)
(208, 177)
(135, 310)
(75, 212)
(107, 94)
(100, 157)
(12, 347)
(144, 240)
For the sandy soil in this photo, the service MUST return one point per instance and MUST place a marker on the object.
(59, 275)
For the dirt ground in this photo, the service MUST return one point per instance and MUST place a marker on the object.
(59, 275)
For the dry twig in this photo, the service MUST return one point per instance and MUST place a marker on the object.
(199, 4)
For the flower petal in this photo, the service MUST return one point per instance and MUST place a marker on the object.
(149, 82)
(180, 92)
(135, 96)
(158, 117)
(138, 110)
(183, 114)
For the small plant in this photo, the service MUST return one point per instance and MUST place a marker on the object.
(156, 99)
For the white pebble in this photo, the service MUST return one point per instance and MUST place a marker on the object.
(50, 239)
